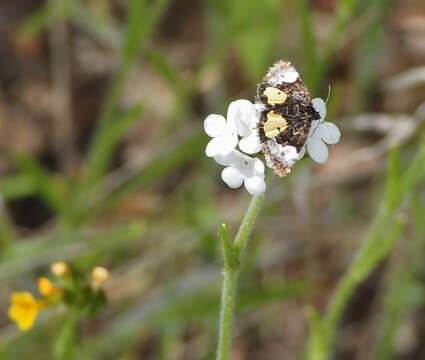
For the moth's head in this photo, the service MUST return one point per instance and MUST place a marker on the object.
(281, 72)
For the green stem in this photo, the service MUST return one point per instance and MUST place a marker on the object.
(226, 313)
(232, 254)
(66, 344)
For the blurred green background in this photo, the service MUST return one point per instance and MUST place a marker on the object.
(102, 162)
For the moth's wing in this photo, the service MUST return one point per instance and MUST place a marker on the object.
(297, 132)
(296, 92)
(263, 119)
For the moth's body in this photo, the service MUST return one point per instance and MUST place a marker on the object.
(287, 116)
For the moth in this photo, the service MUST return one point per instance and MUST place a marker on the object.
(286, 116)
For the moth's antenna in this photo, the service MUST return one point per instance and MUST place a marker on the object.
(329, 93)
(326, 101)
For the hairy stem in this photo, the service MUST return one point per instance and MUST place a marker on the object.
(232, 255)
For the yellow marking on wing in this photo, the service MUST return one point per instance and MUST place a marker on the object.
(274, 125)
(275, 96)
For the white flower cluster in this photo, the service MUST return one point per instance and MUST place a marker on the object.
(242, 119)
(239, 129)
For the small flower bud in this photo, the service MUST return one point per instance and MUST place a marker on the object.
(46, 287)
(99, 275)
(59, 268)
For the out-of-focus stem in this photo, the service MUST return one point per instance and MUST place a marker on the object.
(385, 230)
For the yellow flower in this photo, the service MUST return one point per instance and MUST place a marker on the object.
(59, 268)
(24, 309)
(46, 287)
(99, 275)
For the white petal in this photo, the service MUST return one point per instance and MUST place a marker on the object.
(226, 160)
(320, 106)
(232, 177)
(260, 107)
(313, 128)
(244, 110)
(258, 167)
(214, 147)
(233, 116)
(214, 125)
(243, 114)
(290, 76)
(229, 143)
(234, 158)
(328, 132)
(255, 185)
(317, 150)
(220, 146)
(250, 144)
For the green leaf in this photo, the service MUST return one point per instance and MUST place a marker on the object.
(308, 41)
(257, 44)
(140, 24)
(52, 189)
(164, 68)
(16, 186)
(106, 141)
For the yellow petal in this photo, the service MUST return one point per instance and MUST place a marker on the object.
(24, 309)
(59, 268)
(46, 287)
(99, 275)
(26, 322)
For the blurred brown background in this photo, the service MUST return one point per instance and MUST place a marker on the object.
(102, 161)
